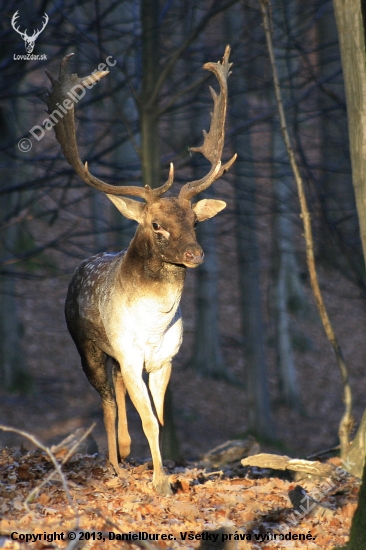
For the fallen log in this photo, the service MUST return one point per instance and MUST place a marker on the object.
(279, 462)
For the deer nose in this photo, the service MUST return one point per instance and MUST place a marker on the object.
(194, 257)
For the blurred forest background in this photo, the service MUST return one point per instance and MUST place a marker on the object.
(255, 358)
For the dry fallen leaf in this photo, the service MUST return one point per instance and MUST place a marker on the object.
(201, 503)
(349, 509)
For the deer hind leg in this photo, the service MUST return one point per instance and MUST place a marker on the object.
(93, 361)
(124, 440)
(139, 394)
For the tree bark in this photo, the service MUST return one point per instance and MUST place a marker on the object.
(260, 420)
(150, 162)
(170, 446)
(350, 19)
(357, 449)
(13, 371)
(351, 25)
(148, 101)
(340, 242)
(258, 399)
(357, 539)
(207, 358)
(288, 293)
(287, 287)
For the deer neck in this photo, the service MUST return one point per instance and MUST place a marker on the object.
(144, 265)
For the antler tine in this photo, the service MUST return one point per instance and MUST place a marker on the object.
(14, 22)
(157, 192)
(64, 92)
(38, 32)
(213, 141)
(46, 19)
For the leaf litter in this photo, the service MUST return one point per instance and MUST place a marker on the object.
(247, 508)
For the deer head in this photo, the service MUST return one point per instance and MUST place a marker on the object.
(29, 40)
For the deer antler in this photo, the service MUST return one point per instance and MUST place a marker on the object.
(24, 34)
(37, 33)
(66, 134)
(13, 21)
(213, 141)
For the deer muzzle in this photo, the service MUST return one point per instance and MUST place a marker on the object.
(193, 258)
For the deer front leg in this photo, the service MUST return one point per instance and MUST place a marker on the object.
(138, 392)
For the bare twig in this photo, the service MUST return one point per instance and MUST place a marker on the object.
(37, 249)
(323, 452)
(173, 100)
(346, 421)
(209, 474)
(51, 475)
(52, 457)
(173, 58)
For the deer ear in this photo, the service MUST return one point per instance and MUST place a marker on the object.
(128, 207)
(207, 208)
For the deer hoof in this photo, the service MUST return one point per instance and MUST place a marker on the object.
(163, 487)
(124, 450)
(122, 473)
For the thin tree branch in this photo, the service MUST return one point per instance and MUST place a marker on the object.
(51, 475)
(38, 249)
(173, 100)
(168, 66)
(52, 457)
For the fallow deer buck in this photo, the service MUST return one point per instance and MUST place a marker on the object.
(126, 305)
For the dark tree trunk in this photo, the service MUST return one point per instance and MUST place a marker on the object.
(340, 242)
(253, 329)
(357, 450)
(357, 539)
(258, 399)
(207, 357)
(288, 292)
(150, 161)
(149, 97)
(351, 22)
(12, 368)
(170, 447)
(13, 372)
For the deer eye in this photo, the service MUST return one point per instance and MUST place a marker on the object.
(156, 226)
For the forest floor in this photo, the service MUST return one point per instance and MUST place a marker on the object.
(207, 413)
(243, 508)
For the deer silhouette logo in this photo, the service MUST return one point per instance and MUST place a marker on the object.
(29, 40)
